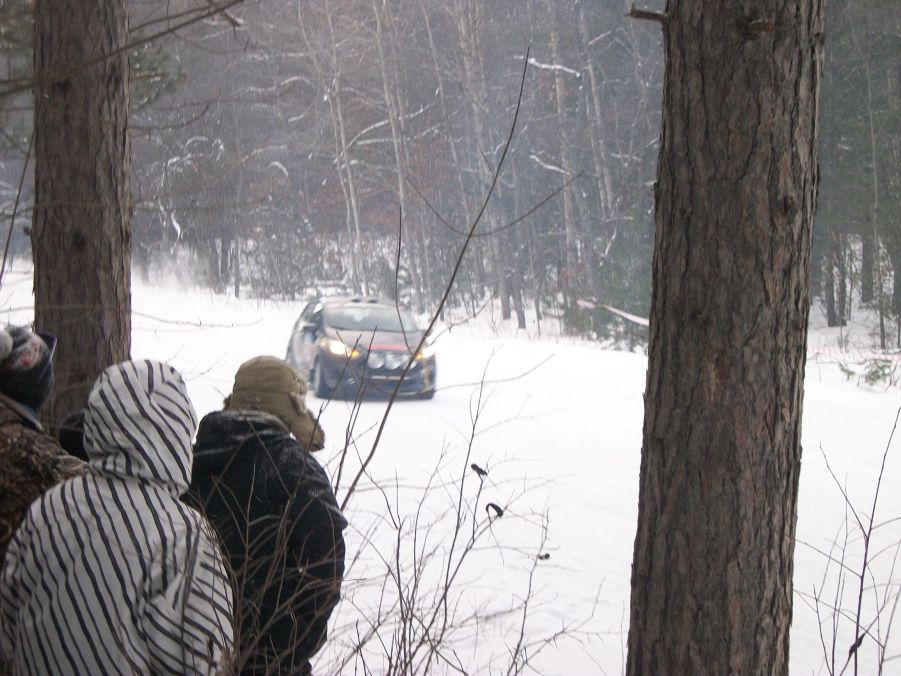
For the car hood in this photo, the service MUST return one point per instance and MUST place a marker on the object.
(377, 340)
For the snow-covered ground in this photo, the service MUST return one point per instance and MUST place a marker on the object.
(557, 425)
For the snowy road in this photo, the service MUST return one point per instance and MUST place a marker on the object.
(559, 432)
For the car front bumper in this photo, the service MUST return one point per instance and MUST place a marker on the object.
(380, 381)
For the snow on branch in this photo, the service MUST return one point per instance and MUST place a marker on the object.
(175, 226)
(547, 165)
(366, 130)
(380, 124)
(278, 85)
(598, 38)
(278, 165)
(554, 66)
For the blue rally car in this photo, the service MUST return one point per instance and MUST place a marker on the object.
(348, 344)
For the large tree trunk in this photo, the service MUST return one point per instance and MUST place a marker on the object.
(735, 199)
(81, 236)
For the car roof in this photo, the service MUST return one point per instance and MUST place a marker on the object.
(340, 301)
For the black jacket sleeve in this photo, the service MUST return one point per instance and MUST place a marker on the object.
(316, 542)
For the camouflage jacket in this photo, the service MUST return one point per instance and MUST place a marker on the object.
(30, 463)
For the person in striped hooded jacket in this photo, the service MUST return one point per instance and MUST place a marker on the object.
(109, 573)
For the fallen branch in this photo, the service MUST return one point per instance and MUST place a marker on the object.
(648, 15)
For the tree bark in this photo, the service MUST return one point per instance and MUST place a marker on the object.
(841, 266)
(829, 289)
(837, 280)
(467, 17)
(503, 282)
(459, 203)
(596, 127)
(330, 83)
(395, 121)
(81, 234)
(597, 133)
(735, 199)
(572, 276)
(893, 248)
(516, 294)
(867, 260)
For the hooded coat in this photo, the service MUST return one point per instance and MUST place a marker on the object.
(110, 573)
(276, 514)
(30, 463)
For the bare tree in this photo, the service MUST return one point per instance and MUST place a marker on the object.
(81, 237)
(735, 199)
(571, 246)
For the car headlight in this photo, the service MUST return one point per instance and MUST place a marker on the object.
(395, 360)
(427, 352)
(339, 349)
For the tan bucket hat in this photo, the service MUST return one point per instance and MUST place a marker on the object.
(270, 385)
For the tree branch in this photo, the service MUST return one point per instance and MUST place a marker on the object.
(26, 84)
(648, 15)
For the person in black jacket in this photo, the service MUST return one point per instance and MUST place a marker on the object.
(273, 507)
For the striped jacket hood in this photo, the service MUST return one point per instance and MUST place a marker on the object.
(109, 572)
(139, 423)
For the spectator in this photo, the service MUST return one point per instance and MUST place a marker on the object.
(273, 507)
(30, 461)
(110, 572)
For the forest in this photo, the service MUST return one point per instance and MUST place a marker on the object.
(283, 149)
(725, 174)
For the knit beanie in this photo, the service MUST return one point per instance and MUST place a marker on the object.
(26, 368)
(270, 385)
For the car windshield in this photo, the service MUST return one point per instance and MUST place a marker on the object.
(370, 318)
